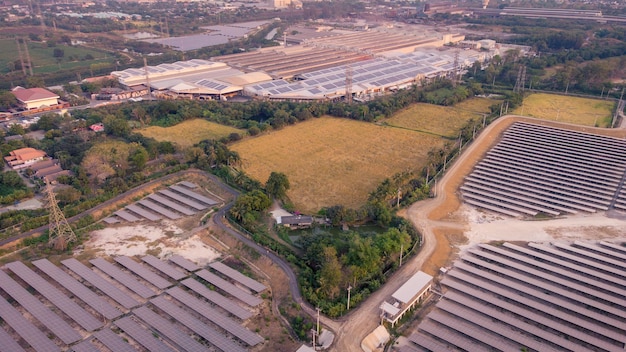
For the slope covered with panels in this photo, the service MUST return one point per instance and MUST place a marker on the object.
(542, 297)
(536, 169)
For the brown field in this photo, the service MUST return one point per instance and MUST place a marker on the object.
(333, 161)
(440, 120)
(190, 132)
(580, 111)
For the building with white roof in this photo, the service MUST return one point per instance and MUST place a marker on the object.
(135, 76)
(406, 297)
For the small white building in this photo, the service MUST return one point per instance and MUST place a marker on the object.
(406, 297)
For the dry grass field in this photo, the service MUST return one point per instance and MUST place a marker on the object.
(188, 133)
(580, 111)
(440, 120)
(333, 161)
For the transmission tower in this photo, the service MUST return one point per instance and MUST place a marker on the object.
(349, 84)
(60, 232)
(30, 63)
(145, 67)
(19, 52)
(521, 80)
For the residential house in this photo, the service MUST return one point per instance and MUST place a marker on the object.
(24, 157)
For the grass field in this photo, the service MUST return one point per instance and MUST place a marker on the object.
(333, 161)
(580, 111)
(440, 120)
(43, 59)
(190, 132)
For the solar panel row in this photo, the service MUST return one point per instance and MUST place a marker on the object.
(143, 272)
(219, 300)
(169, 330)
(229, 288)
(141, 335)
(112, 341)
(123, 278)
(183, 263)
(164, 267)
(239, 277)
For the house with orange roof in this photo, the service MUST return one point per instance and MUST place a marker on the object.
(21, 158)
(35, 98)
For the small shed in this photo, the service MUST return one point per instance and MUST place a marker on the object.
(406, 297)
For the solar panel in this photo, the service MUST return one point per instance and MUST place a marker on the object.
(58, 298)
(126, 216)
(221, 301)
(193, 194)
(184, 263)
(159, 209)
(215, 338)
(188, 184)
(79, 290)
(169, 330)
(239, 277)
(122, 277)
(181, 199)
(141, 335)
(142, 271)
(112, 341)
(229, 288)
(179, 208)
(85, 346)
(100, 283)
(8, 344)
(24, 328)
(142, 212)
(50, 320)
(217, 318)
(163, 267)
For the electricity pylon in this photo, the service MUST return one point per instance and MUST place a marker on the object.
(60, 232)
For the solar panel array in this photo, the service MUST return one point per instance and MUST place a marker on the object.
(171, 203)
(558, 297)
(56, 297)
(544, 170)
(183, 263)
(53, 322)
(149, 325)
(367, 76)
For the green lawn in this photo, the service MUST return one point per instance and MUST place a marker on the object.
(44, 60)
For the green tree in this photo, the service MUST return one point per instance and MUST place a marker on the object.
(330, 274)
(138, 158)
(277, 185)
(7, 100)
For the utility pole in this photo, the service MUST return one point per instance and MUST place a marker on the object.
(349, 288)
(318, 319)
(399, 194)
(145, 67)
(313, 333)
(349, 84)
(401, 252)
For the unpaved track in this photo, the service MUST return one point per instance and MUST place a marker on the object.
(433, 218)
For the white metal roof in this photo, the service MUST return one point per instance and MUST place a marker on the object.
(412, 287)
(389, 308)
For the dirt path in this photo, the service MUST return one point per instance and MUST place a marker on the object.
(441, 227)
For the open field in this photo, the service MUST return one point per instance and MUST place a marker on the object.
(188, 133)
(440, 120)
(44, 60)
(580, 111)
(333, 161)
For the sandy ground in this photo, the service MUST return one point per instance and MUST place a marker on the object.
(32, 203)
(161, 240)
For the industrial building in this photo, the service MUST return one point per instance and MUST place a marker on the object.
(375, 62)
